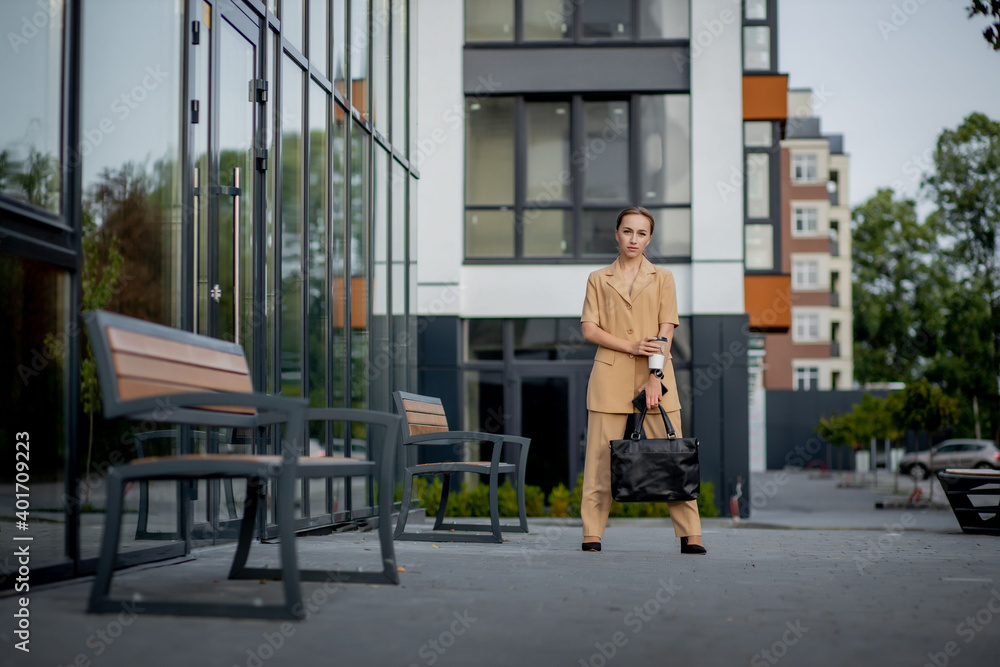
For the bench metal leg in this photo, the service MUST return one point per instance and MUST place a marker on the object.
(443, 505)
(429, 536)
(404, 509)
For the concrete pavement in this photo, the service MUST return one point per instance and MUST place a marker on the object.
(870, 588)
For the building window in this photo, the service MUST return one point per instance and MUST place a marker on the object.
(807, 378)
(561, 21)
(758, 134)
(805, 274)
(758, 185)
(557, 197)
(756, 10)
(489, 20)
(804, 168)
(806, 220)
(806, 328)
(760, 247)
(756, 48)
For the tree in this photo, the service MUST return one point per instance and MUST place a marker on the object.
(896, 284)
(923, 407)
(966, 189)
(992, 32)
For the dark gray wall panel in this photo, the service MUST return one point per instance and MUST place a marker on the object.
(577, 70)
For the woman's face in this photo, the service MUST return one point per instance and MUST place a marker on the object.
(633, 235)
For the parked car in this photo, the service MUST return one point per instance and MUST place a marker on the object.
(956, 453)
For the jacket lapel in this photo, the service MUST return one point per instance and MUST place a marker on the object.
(613, 276)
(646, 273)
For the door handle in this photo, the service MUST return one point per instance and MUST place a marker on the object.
(236, 254)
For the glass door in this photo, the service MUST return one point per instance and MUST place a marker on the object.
(224, 121)
(551, 408)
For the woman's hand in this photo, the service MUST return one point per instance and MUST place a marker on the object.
(654, 392)
(646, 347)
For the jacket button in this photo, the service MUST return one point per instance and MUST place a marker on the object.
(631, 356)
(630, 331)
(628, 306)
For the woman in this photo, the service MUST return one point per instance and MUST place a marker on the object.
(628, 305)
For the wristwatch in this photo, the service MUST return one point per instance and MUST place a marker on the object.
(657, 372)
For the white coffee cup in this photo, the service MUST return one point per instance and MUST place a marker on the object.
(656, 360)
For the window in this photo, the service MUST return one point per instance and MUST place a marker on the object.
(806, 328)
(758, 185)
(760, 247)
(806, 220)
(563, 21)
(805, 274)
(756, 10)
(569, 191)
(804, 167)
(806, 378)
(489, 20)
(758, 134)
(756, 48)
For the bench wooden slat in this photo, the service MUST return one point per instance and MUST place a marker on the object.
(130, 390)
(249, 458)
(419, 429)
(422, 406)
(161, 348)
(426, 419)
(199, 378)
(978, 472)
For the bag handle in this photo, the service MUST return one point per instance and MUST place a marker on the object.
(671, 434)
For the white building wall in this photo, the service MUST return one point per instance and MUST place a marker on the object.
(439, 155)
(716, 158)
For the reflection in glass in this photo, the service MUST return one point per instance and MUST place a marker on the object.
(359, 248)
(489, 233)
(338, 259)
(379, 370)
(606, 19)
(318, 36)
(758, 134)
(598, 231)
(380, 66)
(548, 151)
(202, 198)
(292, 182)
(551, 339)
(758, 185)
(291, 22)
(664, 19)
(489, 151)
(318, 287)
(400, 57)
(132, 176)
(547, 232)
(359, 55)
(548, 19)
(756, 48)
(339, 44)
(606, 174)
(32, 78)
(760, 247)
(672, 236)
(34, 301)
(489, 20)
(665, 155)
(272, 45)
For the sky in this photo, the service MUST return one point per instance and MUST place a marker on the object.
(894, 73)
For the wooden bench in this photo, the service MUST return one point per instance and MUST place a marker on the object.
(960, 484)
(425, 423)
(149, 372)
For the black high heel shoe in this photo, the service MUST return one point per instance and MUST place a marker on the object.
(692, 548)
(591, 546)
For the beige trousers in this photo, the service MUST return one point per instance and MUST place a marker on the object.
(602, 428)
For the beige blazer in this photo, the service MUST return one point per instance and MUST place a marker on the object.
(617, 377)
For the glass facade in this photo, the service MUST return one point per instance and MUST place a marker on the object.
(279, 220)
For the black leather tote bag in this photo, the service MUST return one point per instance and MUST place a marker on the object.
(654, 469)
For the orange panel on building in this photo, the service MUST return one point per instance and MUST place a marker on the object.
(768, 302)
(765, 97)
